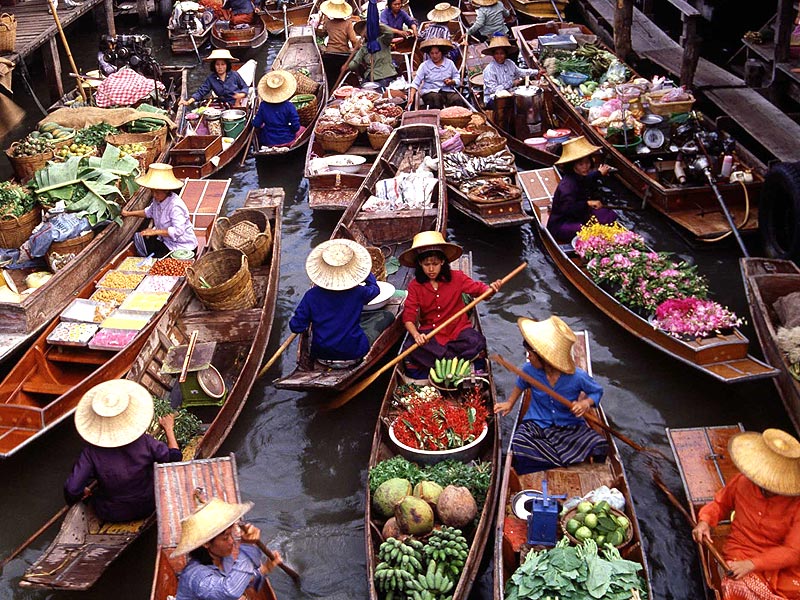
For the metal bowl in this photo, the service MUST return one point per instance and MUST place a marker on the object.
(379, 301)
(345, 163)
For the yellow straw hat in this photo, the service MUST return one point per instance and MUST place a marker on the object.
(207, 522)
(575, 149)
(220, 55)
(500, 41)
(114, 413)
(336, 9)
(438, 42)
(426, 241)
(552, 339)
(159, 176)
(277, 86)
(338, 264)
(444, 12)
(771, 460)
(485, 2)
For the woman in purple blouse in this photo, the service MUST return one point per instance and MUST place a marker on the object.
(395, 18)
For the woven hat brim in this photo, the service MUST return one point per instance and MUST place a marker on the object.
(767, 469)
(336, 11)
(157, 179)
(451, 252)
(484, 2)
(119, 430)
(277, 95)
(437, 42)
(576, 149)
(220, 54)
(510, 49)
(444, 16)
(549, 343)
(338, 278)
(237, 512)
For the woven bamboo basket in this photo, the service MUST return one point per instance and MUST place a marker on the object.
(65, 142)
(244, 33)
(157, 135)
(305, 85)
(14, 231)
(60, 253)
(378, 262)
(484, 151)
(455, 121)
(25, 166)
(257, 247)
(222, 281)
(8, 32)
(309, 111)
(377, 140)
(338, 144)
(149, 140)
(668, 108)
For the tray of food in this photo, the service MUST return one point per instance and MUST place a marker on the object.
(126, 319)
(145, 301)
(119, 280)
(86, 311)
(137, 264)
(171, 266)
(158, 283)
(113, 297)
(70, 333)
(112, 339)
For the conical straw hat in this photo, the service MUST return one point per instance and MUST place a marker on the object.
(207, 522)
(575, 149)
(500, 41)
(114, 413)
(219, 54)
(439, 42)
(444, 12)
(485, 2)
(277, 86)
(336, 9)
(159, 176)
(426, 241)
(552, 339)
(771, 460)
(338, 264)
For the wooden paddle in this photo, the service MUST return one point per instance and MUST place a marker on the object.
(275, 356)
(271, 555)
(588, 416)
(682, 509)
(347, 395)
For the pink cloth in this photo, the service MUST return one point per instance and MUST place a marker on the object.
(124, 88)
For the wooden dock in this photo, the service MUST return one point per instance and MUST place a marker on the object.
(763, 121)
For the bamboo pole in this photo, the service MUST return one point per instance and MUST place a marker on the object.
(81, 91)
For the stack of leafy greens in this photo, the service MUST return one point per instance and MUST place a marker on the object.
(89, 186)
(576, 573)
(15, 199)
(187, 425)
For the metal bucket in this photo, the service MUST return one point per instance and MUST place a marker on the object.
(528, 110)
(233, 122)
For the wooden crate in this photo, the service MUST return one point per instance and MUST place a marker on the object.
(196, 149)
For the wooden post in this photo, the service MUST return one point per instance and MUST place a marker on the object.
(623, 20)
(109, 8)
(52, 69)
(784, 24)
(141, 10)
(691, 49)
(648, 8)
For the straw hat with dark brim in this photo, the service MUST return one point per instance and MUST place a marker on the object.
(207, 522)
(771, 460)
(277, 86)
(114, 413)
(444, 12)
(220, 55)
(336, 9)
(500, 42)
(338, 264)
(440, 43)
(360, 27)
(552, 340)
(575, 149)
(427, 241)
(159, 176)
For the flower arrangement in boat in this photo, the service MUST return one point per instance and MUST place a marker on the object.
(595, 238)
(694, 317)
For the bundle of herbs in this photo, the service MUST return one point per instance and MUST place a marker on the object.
(187, 425)
(15, 199)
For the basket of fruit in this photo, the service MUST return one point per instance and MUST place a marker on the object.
(598, 521)
(82, 150)
(58, 135)
(29, 155)
(447, 373)
(142, 147)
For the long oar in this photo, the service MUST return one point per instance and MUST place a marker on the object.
(286, 568)
(275, 356)
(588, 416)
(196, 51)
(349, 394)
(81, 91)
(682, 509)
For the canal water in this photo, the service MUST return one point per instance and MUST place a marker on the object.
(305, 469)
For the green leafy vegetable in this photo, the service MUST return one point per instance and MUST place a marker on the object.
(95, 135)
(187, 425)
(396, 466)
(15, 199)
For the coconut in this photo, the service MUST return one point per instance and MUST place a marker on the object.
(456, 506)
(389, 494)
(414, 516)
(392, 530)
(428, 491)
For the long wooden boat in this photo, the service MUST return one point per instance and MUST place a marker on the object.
(383, 449)
(705, 466)
(651, 176)
(180, 487)
(540, 10)
(300, 51)
(205, 168)
(222, 36)
(272, 15)
(723, 357)
(766, 280)
(180, 41)
(234, 343)
(392, 232)
(574, 480)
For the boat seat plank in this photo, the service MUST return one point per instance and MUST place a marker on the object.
(37, 386)
(84, 357)
(707, 223)
(574, 480)
(745, 368)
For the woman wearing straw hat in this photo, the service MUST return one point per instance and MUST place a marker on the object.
(343, 284)
(763, 546)
(378, 66)
(277, 121)
(442, 13)
(433, 296)
(550, 434)
(572, 206)
(342, 39)
(172, 225)
(490, 19)
(397, 20)
(437, 77)
(227, 84)
(224, 563)
(113, 417)
(501, 74)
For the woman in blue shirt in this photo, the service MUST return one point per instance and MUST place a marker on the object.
(277, 121)
(550, 434)
(227, 84)
(437, 77)
(396, 19)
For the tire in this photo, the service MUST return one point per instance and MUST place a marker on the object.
(779, 212)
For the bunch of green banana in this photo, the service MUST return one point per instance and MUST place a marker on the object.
(794, 370)
(449, 371)
(400, 563)
(449, 547)
(433, 585)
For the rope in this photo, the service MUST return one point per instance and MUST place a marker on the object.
(740, 225)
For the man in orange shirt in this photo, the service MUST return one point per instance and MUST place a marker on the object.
(763, 548)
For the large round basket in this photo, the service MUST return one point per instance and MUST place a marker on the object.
(488, 150)
(14, 231)
(60, 253)
(25, 166)
(378, 262)
(222, 281)
(236, 232)
(158, 135)
(148, 139)
(8, 32)
(307, 112)
(571, 514)
(338, 144)
(377, 140)
(305, 85)
(455, 121)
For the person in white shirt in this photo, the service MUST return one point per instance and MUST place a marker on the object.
(437, 77)
(501, 73)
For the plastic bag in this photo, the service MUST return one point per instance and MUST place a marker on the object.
(609, 107)
(616, 73)
(454, 144)
(613, 496)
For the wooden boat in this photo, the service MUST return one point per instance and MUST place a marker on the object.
(692, 205)
(233, 342)
(180, 41)
(540, 10)
(383, 449)
(276, 22)
(179, 488)
(723, 357)
(574, 480)
(222, 36)
(766, 280)
(44, 386)
(299, 51)
(389, 230)
(705, 465)
(468, 14)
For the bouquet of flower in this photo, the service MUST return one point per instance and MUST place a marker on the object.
(595, 239)
(694, 317)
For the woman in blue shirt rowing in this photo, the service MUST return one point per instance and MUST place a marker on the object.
(550, 434)
(226, 83)
(277, 121)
